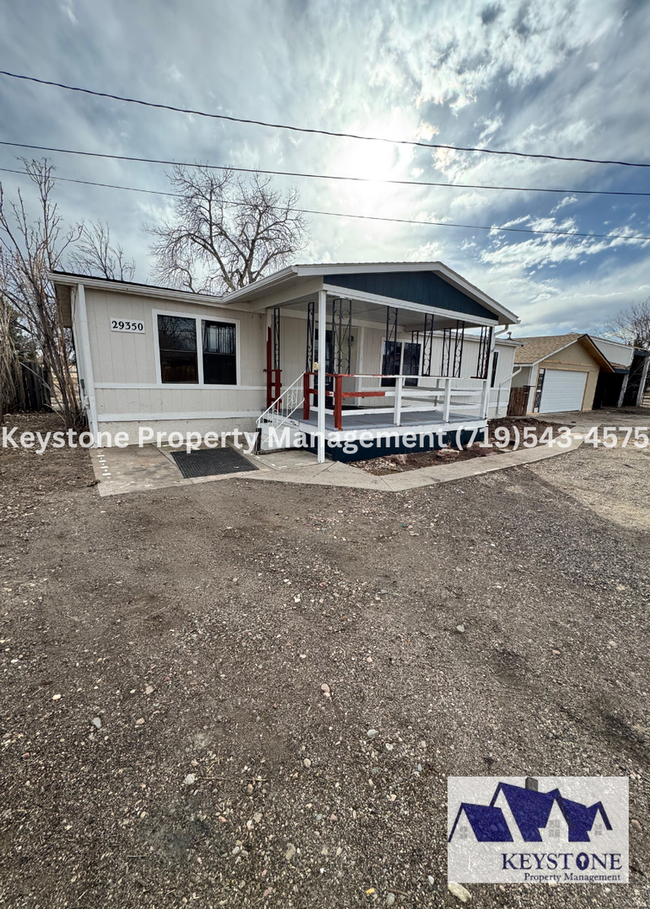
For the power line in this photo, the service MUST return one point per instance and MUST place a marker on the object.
(340, 177)
(318, 132)
(132, 189)
(336, 214)
(495, 228)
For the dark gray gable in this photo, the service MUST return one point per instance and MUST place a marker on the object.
(423, 287)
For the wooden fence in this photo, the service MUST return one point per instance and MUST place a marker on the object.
(518, 402)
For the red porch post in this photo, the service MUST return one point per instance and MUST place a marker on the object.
(268, 370)
(338, 402)
(306, 390)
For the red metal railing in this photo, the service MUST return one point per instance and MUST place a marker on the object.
(338, 394)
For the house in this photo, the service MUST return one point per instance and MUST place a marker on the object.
(626, 385)
(557, 373)
(522, 814)
(375, 357)
(636, 388)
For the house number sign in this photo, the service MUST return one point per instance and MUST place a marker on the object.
(134, 326)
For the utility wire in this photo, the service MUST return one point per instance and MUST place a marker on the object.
(318, 132)
(289, 173)
(132, 189)
(337, 214)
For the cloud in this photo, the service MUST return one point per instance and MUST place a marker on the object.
(566, 77)
(568, 200)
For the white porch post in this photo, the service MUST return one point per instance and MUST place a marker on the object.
(397, 415)
(322, 369)
(447, 401)
(485, 401)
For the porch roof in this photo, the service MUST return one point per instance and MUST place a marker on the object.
(416, 286)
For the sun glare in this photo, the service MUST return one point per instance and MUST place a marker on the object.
(371, 160)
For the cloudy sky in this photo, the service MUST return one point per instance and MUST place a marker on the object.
(566, 77)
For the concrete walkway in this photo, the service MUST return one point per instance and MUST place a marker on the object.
(123, 470)
(336, 473)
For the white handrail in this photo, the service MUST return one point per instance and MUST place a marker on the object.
(283, 408)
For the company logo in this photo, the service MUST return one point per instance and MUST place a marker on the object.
(553, 830)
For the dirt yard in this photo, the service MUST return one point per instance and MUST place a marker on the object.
(165, 736)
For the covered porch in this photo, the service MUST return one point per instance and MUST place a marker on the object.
(369, 360)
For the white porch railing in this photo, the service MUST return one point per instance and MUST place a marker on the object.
(443, 396)
(283, 408)
(290, 407)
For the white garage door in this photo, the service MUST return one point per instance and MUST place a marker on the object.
(563, 389)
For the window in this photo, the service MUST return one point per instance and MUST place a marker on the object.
(390, 364)
(177, 344)
(495, 363)
(401, 359)
(219, 353)
(555, 829)
(411, 364)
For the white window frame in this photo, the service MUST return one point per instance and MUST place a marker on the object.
(402, 342)
(204, 317)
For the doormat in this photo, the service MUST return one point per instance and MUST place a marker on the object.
(209, 462)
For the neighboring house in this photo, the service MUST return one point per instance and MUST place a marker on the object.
(558, 373)
(637, 385)
(410, 348)
(625, 386)
(520, 814)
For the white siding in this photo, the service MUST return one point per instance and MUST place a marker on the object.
(621, 354)
(128, 387)
(525, 377)
(293, 347)
(129, 392)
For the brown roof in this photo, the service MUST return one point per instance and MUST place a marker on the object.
(536, 349)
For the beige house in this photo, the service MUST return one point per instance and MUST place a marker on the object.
(336, 353)
(556, 373)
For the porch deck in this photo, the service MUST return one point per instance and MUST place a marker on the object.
(352, 432)
(428, 421)
(366, 435)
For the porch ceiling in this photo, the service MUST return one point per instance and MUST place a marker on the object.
(410, 315)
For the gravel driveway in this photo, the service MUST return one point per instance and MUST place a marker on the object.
(166, 739)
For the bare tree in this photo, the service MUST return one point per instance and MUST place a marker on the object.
(94, 254)
(632, 325)
(11, 388)
(226, 232)
(29, 250)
